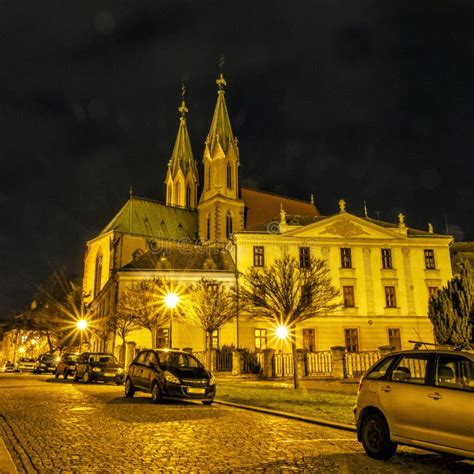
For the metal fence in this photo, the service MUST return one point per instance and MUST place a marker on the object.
(356, 363)
(223, 361)
(318, 363)
(282, 365)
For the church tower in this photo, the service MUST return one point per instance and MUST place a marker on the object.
(182, 176)
(221, 212)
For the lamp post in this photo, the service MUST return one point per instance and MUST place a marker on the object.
(171, 300)
(81, 325)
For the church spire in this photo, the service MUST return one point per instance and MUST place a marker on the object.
(182, 176)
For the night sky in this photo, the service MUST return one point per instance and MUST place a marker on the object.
(365, 100)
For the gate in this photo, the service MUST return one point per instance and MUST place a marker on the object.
(356, 363)
(223, 361)
(282, 365)
(318, 363)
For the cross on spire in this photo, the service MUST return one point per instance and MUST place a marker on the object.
(221, 82)
(183, 109)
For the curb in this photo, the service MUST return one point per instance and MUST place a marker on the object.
(6, 462)
(291, 416)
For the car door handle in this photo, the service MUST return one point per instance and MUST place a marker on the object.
(386, 389)
(435, 396)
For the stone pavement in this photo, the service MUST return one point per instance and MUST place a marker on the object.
(64, 427)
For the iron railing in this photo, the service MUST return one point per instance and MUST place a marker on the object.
(356, 363)
(318, 363)
(282, 365)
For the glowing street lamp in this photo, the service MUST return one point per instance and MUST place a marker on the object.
(281, 332)
(22, 350)
(81, 325)
(171, 300)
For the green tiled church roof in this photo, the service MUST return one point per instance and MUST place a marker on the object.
(153, 219)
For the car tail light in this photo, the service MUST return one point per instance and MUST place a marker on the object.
(361, 381)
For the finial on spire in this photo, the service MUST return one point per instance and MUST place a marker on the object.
(366, 214)
(221, 82)
(183, 109)
(401, 220)
(430, 227)
(342, 205)
(312, 199)
(131, 192)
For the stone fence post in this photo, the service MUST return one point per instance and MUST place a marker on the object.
(213, 366)
(267, 362)
(385, 350)
(129, 354)
(300, 365)
(338, 361)
(237, 362)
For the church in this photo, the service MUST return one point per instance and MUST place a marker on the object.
(385, 271)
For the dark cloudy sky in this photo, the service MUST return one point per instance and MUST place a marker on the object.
(366, 100)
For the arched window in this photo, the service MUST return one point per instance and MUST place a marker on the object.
(169, 199)
(228, 225)
(229, 175)
(98, 272)
(177, 200)
(208, 227)
(188, 196)
(208, 184)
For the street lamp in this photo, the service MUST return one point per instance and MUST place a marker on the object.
(81, 325)
(171, 300)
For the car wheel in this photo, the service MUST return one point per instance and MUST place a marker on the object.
(207, 402)
(118, 381)
(129, 388)
(375, 437)
(65, 374)
(86, 378)
(155, 393)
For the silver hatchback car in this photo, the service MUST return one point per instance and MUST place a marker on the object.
(421, 398)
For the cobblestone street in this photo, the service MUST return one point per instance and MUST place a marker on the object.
(59, 426)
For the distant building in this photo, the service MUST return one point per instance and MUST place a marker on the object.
(385, 271)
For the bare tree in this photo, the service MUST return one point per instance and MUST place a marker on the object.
(123, 324)
(143, 302)
(287, 295)
(210, 306)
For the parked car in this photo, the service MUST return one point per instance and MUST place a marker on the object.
(7, 367)
(94, 366)
(45, 363)
(66, 365)
(422, 398)
(26, 364)
(170, 374)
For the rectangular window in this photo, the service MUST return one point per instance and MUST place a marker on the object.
(390, 298)
(346, 258)
(260, 338)
(433, 291)
(429, 259)
(258, 256)
(387, 258)
(309, 340)
(162, 337)
(305, 260)
(351, 337)
(394, 338)
(348, 293)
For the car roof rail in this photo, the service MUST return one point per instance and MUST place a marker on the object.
(445, 345)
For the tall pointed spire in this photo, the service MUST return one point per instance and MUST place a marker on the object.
(182, 176)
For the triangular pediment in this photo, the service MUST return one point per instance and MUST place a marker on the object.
(345, 226)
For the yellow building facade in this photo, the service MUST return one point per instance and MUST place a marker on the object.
(385, 271)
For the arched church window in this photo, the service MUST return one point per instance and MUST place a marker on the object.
(228, 225)
(208, 183)
(229, 175)
(208, 227)
(188, 195)
(98, 272)
(177, 200)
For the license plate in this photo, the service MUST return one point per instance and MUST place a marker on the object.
(109, 374)
(196, 390)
